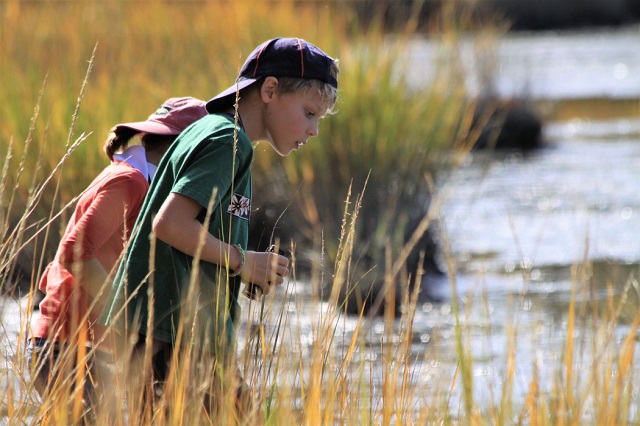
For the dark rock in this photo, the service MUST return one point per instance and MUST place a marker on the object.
(422, 259)
(16, 277)
(369, 295)
(18, 280)
(511, 125)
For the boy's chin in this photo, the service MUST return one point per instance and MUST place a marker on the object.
(282, 152)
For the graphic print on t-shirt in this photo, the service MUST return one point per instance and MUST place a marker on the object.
(240, 206)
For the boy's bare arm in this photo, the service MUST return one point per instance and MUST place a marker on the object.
(176, 225)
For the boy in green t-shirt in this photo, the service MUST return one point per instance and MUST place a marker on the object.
(193, 224)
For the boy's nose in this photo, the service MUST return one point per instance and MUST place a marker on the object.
(313, 130)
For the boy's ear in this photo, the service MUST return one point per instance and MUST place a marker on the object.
(268, 89)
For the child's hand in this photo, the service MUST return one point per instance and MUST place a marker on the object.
(265, 269)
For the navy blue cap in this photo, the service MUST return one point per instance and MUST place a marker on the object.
(278, 57)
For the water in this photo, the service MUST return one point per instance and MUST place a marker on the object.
(593, 63)
(545, 65)
(578, 194)
(518, 224)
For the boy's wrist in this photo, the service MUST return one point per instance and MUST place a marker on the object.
(243, 258)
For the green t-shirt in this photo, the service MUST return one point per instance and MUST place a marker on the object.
(203, 162)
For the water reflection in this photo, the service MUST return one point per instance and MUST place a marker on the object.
(533, 234)
(548, 208)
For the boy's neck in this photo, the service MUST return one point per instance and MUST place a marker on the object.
(249, 118)
(232, 112)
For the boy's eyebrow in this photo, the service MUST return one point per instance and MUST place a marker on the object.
(319, 107)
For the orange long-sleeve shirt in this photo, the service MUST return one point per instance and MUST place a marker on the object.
(99, 228)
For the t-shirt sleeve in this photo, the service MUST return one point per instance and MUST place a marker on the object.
(211, 171)
(104, 215)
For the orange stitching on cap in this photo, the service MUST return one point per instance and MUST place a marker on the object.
(301, 57)
(255, 70)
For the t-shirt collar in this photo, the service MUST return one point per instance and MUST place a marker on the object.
(136, 157)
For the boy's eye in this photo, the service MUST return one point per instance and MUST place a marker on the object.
(310, 114)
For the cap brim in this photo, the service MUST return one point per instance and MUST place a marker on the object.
(151, 127)
(226, 98)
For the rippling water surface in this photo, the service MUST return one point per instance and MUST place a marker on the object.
(591, 63)
(517, 225)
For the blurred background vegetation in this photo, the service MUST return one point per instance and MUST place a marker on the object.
(386, 136)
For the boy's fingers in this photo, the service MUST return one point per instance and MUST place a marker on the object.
(276, 269)
(283, 272)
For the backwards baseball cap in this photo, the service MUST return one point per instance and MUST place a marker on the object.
(278, 57)
(172, 117)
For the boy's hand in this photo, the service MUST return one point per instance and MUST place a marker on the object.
(265, 269)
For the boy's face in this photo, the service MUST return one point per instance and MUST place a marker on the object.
(292, 118)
